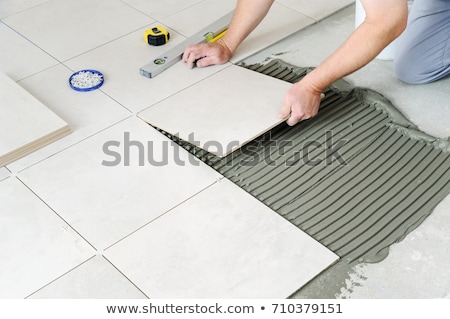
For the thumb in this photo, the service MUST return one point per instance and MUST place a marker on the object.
(284, 112)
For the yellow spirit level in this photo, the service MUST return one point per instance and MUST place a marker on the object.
(156, 36)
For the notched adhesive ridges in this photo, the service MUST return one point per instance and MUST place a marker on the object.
(358, 177)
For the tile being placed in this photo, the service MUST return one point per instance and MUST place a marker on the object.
(25, 123)
(121, 61)
(65, 29)
(35, 244)
(222, 112)
(86, 112)
(154, 9)
(20, 58)
(318, 9)
(221, 243)
(116, 181)
(94, 279)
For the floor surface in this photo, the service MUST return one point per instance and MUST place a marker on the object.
(44, 50)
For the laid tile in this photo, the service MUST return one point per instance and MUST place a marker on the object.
(10, 7)
(4, 173)
(25, 123)
(121, 61)
(86, 112)
(318, 9)
(279, 23)
(221, 112)
(20, 58)
(154, 9)
(116, 181)
(94, 279)
(35, 244)
(193, 19)
(67, 28)
(222, 243)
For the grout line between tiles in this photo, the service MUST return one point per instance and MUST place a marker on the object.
(166, 212)
(59, 277)
(126, 277)
(21, 11)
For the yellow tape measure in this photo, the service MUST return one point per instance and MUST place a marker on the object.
(156, 36)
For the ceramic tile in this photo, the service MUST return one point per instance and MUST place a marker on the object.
(111, 184)
(9, 7)
(121, 61)
(35, 244)
(4, 173)
(154, 9)
(318, 9)
(220, 112)
(222, 243)
(94, 279)
(86, 112)
(20, 58)
(25, 123)
(195, 18)
(67, 28)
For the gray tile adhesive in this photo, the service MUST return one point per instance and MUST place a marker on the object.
(358, 177)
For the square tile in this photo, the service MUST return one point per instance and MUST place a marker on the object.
(4, 173)
(86, 112)
(36, 245)
(279, 23)
(20, 58)
(318, 9)
(116, 181)
(94, 279)
(67, 28)
(193, 19)
(221, 243)
(121, 60)
(154, 9)
(25, 123)
(10, 7)
(222, 112)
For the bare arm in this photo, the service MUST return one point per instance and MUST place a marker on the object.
(247, 15)
(385, 20)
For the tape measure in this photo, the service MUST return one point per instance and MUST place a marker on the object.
(156, 36)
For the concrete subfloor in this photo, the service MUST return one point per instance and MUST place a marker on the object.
(418, 266)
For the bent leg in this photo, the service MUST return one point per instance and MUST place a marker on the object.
(423, 51)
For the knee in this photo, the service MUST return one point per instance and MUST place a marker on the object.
(410, 70)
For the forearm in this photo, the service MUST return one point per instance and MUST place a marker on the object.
(247, 15)
(363, 45)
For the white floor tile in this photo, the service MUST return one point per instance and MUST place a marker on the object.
(25, 123)
(106, 202)
(222, 112)
(95, 279)
(318, 9)
(121, 60)
(4, 173)
(279, 23)
(222, 243)
(35, 244)
(156, 10)
(20, 58)
(195, 18)
(86, 112)
(9, 7)
(67, 28)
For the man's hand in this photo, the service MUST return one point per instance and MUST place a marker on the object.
(301, 102)
(206, 54)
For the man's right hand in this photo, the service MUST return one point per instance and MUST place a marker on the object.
(206, 54)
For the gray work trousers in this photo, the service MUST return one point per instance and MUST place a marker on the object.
(423, 50)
